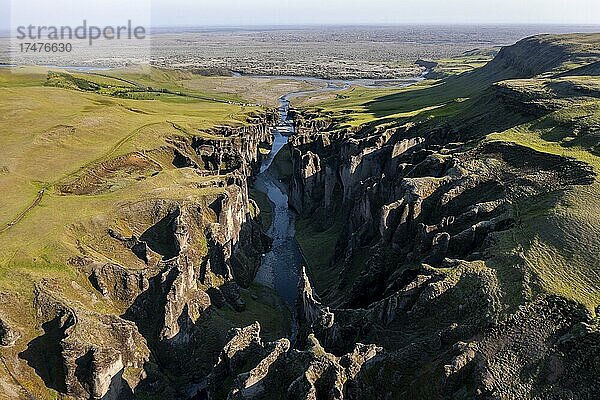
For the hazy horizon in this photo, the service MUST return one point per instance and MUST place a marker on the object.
(276, 13)
(344, 12)
(176, 28)
(375, 25)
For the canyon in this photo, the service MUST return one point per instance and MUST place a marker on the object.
(437, 240)
(415, 223)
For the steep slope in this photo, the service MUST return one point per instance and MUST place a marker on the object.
(129, 241)
(455, 225)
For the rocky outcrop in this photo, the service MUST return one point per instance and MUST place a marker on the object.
(118, 282)
(234, 149)
(428, 203)
(544, 350)
(274, 367)
(8, 333)
(252, 384)
(243, 341)
(430, 259)
(311, 310)
(92, 351)
(233, 244)
(184, 302)
(336, 328)
(236, 243)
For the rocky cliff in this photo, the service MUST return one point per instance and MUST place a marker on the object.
(156, 271)
(429, 261)
(261, 370)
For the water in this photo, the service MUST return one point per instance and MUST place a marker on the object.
(280, 268)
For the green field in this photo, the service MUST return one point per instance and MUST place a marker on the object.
(53, 136)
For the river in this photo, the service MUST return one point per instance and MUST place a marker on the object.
(280, 267)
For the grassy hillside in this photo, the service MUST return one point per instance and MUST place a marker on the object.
(84, 153)
(46, 146)
(467, 62)
(543, 93)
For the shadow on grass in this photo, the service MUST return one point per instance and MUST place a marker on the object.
(43, 354)
(161, 238)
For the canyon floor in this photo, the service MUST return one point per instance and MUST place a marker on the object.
(448, 232)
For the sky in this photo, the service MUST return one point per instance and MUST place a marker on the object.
(238, 12)
(297, 12)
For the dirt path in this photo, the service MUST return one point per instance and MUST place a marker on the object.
(19, 217)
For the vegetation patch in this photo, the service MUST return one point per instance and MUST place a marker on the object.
(110, 175)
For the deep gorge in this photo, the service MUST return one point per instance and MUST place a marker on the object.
(432, 242)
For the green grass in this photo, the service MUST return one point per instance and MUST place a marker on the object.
(165, 86)
(467, 62)
(45, 146)
(262, 305)
(558, 234)
(318, 248)
(359, 106)
(53, 137)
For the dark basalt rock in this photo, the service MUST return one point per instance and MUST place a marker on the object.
(258, 369)
(85, 353)
(420, 208)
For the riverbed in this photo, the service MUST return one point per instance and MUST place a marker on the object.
(280, 267)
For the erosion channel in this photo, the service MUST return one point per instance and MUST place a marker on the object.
(280, 268)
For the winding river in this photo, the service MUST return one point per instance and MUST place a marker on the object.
(280, 268)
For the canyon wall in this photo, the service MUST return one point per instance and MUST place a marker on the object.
(159, 270)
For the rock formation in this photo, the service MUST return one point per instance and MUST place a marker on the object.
(434, 208)
(8, 334)
(260, 369)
